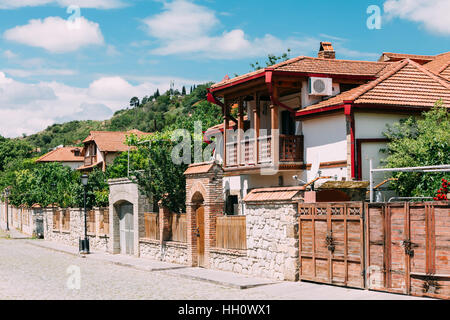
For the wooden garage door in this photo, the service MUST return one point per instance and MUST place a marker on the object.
(409, 248)
(332, 243)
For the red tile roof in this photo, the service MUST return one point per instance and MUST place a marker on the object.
(320, 66)
(273, 194)
(393, 57)
(440, 65)
(199, 168)
(66, 154)
(112, 141)
(84, 167)
(405, 84)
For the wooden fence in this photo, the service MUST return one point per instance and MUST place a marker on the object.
(56, 220)
(151, 221)
(399, 247)
(65, 222)
(231, 232)
(103, 221)
(91, 222)
(408, 248)
(179, 227)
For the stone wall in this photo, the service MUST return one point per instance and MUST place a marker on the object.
(22, 219)
(171, 252)
(272, 244)
(75, 232)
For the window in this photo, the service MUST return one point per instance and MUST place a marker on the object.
(287, 124)
(232, 206)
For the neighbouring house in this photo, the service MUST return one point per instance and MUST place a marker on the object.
(102, 147)
(68, 156)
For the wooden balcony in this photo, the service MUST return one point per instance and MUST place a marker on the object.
(90, 160)
(290, 151)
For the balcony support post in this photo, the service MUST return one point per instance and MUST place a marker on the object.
(240, 157)
(257, 119)
(225, 131)
(275, 152)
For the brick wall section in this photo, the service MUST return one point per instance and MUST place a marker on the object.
(203, 188)
(164, 223)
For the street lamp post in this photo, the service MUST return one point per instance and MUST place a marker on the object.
(6, 193)
(84, 244)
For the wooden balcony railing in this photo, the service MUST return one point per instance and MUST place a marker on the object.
(291, 150)
(90, 160)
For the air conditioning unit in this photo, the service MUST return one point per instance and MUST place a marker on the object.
(320, 86)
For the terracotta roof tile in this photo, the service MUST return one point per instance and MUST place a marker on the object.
(66, 154)
(199, 168)
(90, 166)
(273, 194)
(112, 141)
(318, 65)
(390, 56)
(405, 84)
(440, 65)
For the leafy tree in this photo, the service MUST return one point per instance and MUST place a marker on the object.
(272, 60)
(183, 91)
(156, 174)
(11, 149)
(417, 143)
(134, 102)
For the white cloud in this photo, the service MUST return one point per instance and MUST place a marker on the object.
(432, 14)
(28, 108)
(26, 73)
(185, 28)
(8, 54)
(56, 35)
(97, 4)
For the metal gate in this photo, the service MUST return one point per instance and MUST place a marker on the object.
(126, 229)
(331, 237)
(409, 248)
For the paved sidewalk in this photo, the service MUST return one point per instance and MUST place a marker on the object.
(125, 261)
(223, 278)
(13, 234)
(227, 279)
(254, 287)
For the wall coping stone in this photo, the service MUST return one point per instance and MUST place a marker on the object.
(229, 252)
(176, 244)
(150, 241)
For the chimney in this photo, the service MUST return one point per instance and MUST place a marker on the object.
(326, 51)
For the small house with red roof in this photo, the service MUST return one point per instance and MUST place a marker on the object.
(102, 147)
(68, 156)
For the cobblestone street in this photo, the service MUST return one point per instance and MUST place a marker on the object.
(30, 272)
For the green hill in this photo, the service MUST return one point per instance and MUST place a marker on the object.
(154, 113)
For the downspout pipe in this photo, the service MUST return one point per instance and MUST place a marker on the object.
(273, 99)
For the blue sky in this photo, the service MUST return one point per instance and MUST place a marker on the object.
(57, 66)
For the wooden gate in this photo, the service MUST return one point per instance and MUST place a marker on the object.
(201, 236)
(409, 248)
(331, 247)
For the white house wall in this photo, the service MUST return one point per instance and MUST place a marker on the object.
(325, 141)
(372, 125)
